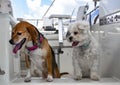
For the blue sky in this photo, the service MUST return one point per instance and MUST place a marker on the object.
(20, 7)
(37, 8)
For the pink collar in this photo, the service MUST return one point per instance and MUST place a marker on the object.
(35, 46)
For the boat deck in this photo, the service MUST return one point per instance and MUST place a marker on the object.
(66, 81)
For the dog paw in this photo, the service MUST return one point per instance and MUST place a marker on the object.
(49, 78)
(94, 76)
(27, 79)
(78, 77)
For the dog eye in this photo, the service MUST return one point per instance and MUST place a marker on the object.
(75, 33)
(19, 33)
(68, 34)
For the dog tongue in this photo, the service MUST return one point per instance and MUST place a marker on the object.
(16, 48)
(75, 43)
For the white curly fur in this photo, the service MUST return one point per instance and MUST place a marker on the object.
(85, 53)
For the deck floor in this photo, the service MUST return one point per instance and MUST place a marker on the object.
(66, 81)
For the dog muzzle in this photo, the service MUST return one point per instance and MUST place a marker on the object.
(18, 46)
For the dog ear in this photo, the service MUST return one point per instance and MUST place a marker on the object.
(83, 25)
(34, 33)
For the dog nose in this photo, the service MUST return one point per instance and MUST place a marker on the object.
(70, 38)
(11, 41)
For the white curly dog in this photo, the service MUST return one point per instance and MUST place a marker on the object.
(85, 53)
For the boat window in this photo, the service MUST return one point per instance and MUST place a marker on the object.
(93, 16)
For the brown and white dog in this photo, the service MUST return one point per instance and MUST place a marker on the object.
(26, 36)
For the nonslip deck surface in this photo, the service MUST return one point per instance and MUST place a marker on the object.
(64, 81)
